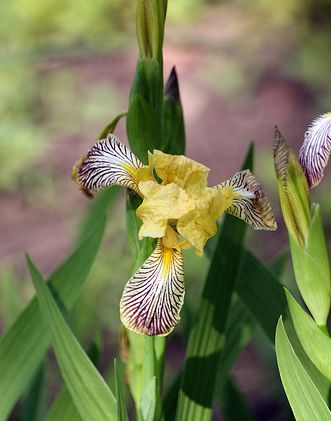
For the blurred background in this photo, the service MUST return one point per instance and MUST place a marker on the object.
(66, 70)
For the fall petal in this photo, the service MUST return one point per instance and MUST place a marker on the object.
(248, 202)
(108, 163)
(153, 297)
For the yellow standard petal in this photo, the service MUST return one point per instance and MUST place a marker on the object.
(178, 169)
(153, 297)
(199, 225)
(160, 205)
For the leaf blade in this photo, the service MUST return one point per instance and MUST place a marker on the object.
(303, 396)
(315, 343)
(207, 337)
(90, 393)
(28, 331)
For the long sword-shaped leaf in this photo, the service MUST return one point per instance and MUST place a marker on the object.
(90, 393)
(264, 297)
(305, 399)
(239, 332)
(207, 337)
(259, 289)
(122, 414)
(28, 333)
(316, 344)
(64, 409)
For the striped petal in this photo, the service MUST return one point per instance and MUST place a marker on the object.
(153, 297)
(248, 201)
(107, 163)
(315, 150)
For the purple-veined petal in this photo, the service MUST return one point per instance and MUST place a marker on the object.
(315, 150)
(108, 162)
(153, 297)
(248, 201)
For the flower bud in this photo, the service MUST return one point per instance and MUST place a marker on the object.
(293, 190)
(150, 27)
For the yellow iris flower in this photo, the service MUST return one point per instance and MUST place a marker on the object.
(180, 210)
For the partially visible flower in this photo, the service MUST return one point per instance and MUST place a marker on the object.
(316, 148)
(304, 225)
(179, 210)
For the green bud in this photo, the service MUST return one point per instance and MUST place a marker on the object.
(293, 190)
(173, 130)
(150, 27)
(307, 242)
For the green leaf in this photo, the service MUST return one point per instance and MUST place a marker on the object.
(239, 332)
(148, 401)
(90, 393)
(97, 210)
(122, 414)
(64, 409)
(311, 268)
(233, 404)
(265, 299)
(321, 382)
(316, 344)
(143, 127)
(262, 294)
(28, 333)
(279, 263)
(31, 401)
(110, 128)
(207, 337)
(144, 117)
(304, 398)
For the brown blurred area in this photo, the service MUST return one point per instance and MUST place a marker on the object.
(242, 69)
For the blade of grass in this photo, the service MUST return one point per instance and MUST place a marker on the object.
(239, 332)
(264, 297)
(305, 400)
(278, 265)
(28, 333)
(90, 393)
(63, 407)
(259, 289)
(316, 344)
(207, 337)
(32, 399)
(122, 414)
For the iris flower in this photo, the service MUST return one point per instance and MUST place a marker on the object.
(316, 148)
(179, 210)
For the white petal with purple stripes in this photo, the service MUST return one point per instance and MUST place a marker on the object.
(108, 163)
(249, 202)
(153, 297)
(315, 150)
